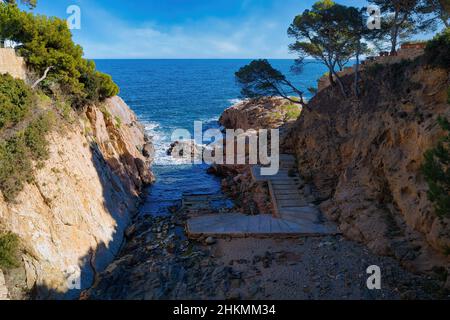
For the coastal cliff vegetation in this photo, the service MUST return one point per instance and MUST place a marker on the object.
(26, 112)
(47, 46)
(73, 158)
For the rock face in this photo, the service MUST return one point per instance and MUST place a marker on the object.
(72, 218)
(364, 157)
(187, 149)
(264, 113)
(3, 288)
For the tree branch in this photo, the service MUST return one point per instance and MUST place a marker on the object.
(42, 78)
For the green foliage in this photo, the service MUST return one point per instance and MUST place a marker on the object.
(15, 100)
(18, 153)
(34, 136)
(47, 42)
(437, 51)
(317, 35)
(65, 111)
(436, 169)
(401, 19)
(438, 9)
(30, 3)
(105, 112)
(259, 79)
(9, 251)
(292, 111)
(118, 122)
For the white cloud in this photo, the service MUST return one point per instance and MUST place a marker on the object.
(255, 37)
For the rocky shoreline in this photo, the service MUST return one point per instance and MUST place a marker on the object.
(160, 262)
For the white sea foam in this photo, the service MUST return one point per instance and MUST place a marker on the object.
(212, 119)
(162, 142)
(235, 101)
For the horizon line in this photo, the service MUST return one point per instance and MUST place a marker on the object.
(194, 58)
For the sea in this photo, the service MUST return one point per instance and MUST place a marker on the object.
(167, 95)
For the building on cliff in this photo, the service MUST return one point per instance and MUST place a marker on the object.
(12, 64)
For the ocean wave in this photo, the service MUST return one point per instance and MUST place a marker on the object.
(162, 141)
(149, 126)
(212, 119)
(235, 101)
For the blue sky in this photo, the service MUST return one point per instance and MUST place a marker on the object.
(183, 28)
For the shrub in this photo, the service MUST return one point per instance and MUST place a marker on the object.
(292, 111)
(15, 167)
(118, 122)
(15, 100)
(35, 139)
(18, 153)
(436, 169)
(9, 251)
(437, 51)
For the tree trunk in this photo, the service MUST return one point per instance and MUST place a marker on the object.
(358, 52)
(394, 34)
(341, 85)
(42, 78)
(330, 77)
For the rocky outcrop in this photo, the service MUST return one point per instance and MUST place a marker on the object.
(186, 149)
(264, 113)
(249, 197)
(364, 157)
(72, 218)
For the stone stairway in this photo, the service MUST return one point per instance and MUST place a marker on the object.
(294, 214)
(291, 197)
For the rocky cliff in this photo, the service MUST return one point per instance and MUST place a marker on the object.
(264, 113)
(364, 157)
(72, 218)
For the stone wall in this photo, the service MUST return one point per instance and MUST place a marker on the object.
(12, 64)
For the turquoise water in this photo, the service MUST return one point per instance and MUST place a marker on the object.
(172, 94)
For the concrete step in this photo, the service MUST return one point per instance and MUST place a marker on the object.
(290, 203)
(292, 196)
(294, 192)
(283, 187)
(239, 225)
(286, 181)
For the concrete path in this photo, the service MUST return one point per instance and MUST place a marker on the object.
(240, 225)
